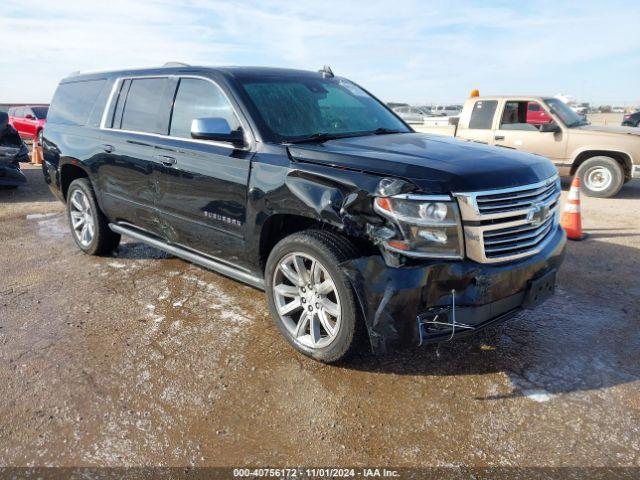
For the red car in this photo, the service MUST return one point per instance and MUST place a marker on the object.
(536, 114)
(29, 120)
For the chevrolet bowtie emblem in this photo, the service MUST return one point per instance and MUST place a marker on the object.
(538, 214)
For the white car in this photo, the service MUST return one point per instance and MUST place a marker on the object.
(411, 114)
(447, 110)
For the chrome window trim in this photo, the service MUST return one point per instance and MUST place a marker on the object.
(474, 232)
(118, 83)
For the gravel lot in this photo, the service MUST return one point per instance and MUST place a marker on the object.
(143, 359)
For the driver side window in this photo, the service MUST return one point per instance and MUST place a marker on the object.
(523, 115)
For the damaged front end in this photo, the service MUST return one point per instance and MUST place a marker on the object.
(12, 152)
(415, 285)
(435, 301)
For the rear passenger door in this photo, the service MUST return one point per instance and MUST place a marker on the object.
(203, 184)
(128, 179)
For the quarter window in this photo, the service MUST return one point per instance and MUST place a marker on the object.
(198, 98)
(144, 107)
(482, 114)
(74, 101)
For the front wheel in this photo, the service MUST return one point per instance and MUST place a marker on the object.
(600, 177)
(310, 297)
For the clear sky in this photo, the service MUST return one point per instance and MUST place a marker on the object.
(413, 51)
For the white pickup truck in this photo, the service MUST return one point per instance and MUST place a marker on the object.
(603, 157)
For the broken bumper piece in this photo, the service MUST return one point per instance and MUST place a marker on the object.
(414, 305)
(11, 176)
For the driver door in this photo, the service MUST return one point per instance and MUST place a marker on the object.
(519, 130)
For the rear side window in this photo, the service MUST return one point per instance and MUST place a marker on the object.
(199, 99)
(482, 114)
(73, 102)
(144, 108)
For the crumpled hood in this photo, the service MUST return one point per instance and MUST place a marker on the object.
(434, 163)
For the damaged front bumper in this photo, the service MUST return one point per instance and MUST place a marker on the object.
(438, 300)
(11, 175)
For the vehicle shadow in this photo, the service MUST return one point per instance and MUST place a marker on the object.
(584, 338)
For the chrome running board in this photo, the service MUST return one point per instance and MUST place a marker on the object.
(193, 257)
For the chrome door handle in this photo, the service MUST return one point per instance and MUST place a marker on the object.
(108, 148)
(499, 137)
(167, 160)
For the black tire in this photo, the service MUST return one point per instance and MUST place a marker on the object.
(330, 249)
(104, 240)
(608, 167)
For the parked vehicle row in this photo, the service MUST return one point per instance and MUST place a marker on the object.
(418, 114)
(304, 185)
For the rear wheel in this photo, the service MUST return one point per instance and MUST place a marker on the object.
(310, 298)
(89, 226)
(600, 177)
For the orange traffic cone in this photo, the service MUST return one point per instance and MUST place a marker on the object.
(36, 154)
(571, 221)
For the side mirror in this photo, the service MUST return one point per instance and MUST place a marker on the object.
(216, 129)
(549, 128)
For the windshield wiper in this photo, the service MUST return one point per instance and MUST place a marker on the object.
(325, 136)
(320, 137)
(386, 131)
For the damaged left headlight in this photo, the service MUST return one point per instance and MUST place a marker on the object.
(429, 225)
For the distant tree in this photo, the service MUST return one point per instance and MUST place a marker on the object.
(605, 108)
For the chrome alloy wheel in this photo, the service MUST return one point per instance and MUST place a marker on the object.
(598, 179)
(307, 300)
(81, 218)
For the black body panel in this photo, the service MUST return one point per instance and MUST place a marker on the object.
(222, 200)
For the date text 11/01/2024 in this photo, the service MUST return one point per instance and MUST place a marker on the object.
(316, 472)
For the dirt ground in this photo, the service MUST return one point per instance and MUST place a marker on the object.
(143, 359)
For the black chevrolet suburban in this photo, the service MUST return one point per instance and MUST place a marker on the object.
(305, 185)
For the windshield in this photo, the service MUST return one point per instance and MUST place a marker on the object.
(568, 116)
(40, 112)
(295, 108)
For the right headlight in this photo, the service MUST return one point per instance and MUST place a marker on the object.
(430, 225)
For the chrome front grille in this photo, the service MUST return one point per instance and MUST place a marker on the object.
(508, 224)
(513, 201)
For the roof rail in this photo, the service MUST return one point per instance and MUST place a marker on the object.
(176, 64)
